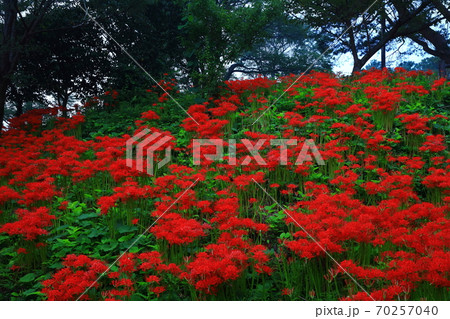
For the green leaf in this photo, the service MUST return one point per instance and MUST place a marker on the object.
(134, 249)
(125, 238)
(88, 215)
(66, 242)
(138, 297)
(95, 233)
(28, 277)
(126, 229)
(77, 210)
(108, 247)
(31, 292)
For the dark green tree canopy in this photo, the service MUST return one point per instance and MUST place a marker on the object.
(52, 48)
(365, 27)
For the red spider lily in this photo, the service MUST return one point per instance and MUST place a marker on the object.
(71, 282)
(178, 230)
(379, 205)
(249, 85)
(434, 143)
(219, 264)
(30, 224)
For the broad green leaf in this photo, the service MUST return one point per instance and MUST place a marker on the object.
(28, 277)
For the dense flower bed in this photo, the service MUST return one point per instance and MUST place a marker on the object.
(70, 207)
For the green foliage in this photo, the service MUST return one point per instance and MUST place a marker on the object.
(74, 67)
(118, 117)
(362, 28)
(216, 34)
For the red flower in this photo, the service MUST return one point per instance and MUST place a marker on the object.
(158, 290)
(30, 224)
(22, 251)
(287, 291)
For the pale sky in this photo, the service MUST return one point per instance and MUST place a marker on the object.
(344, 62)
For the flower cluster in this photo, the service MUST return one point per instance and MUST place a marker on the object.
(379, 205)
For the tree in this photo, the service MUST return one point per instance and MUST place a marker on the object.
(289, 47)
(432, 41)
(401, 18)
(74, 64)
(215, 35)
(20, 21)
(148, 30)
(78, 59)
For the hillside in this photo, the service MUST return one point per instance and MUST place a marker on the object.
(78, 221)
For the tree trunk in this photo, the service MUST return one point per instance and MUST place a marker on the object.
(3, 89)
(19, 108)
(231, 70)
(383, 34)
(405, 17)
(441, 8)
(442, 69)
(8, 55)
(64, 105)
(357, 66)
(356, 61)
(12, 44)
(440, 43)
(18, 100)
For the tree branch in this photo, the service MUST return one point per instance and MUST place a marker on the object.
(442, 9)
